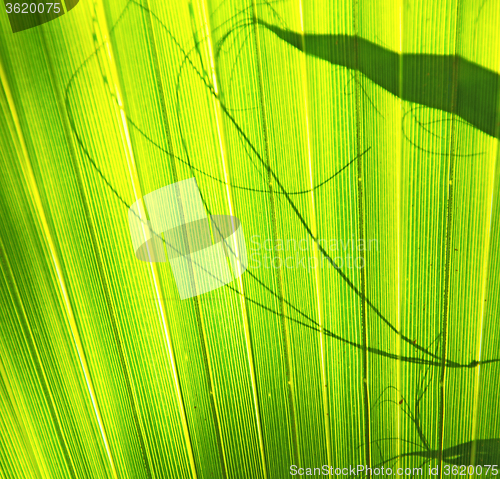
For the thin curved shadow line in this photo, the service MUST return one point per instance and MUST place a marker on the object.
(239, 187)
(411, 112)
(358, 82)
(487, 452)
(184, 62)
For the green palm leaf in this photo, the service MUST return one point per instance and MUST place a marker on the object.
(356, 142)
